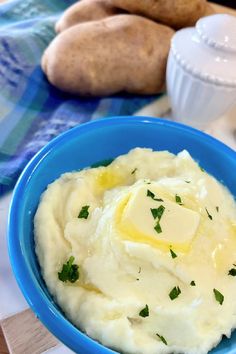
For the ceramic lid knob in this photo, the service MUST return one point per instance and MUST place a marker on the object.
(218, 31)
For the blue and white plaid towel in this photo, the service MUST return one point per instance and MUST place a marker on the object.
(32, 112)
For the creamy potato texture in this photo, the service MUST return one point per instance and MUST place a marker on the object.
(154, 237)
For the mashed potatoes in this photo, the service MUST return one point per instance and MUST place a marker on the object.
(141, 254)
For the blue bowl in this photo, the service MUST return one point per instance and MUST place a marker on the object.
(81, 147)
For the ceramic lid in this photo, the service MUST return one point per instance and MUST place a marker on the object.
(218, 31)
(208, 50)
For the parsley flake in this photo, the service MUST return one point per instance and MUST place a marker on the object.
(173, 254)
(144, 312)
(193, 283)
(187, 181)
(208, 214)
(232, 272)
(157, 213)
(133, 172)
(218, 296)
(69, 272)
(154, 213)
(178, 199)
(152, 195)
(175, 292)
(84, 213)
(161, 338)
(158, 228)
(217, 209)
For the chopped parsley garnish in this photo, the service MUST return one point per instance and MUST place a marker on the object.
(157, 213)
(158, 228)
(178, 199)
(139, 270)
(218, 296)
(175, 292)
(161, 338)
(217, 209)
(84, 213)
(173, 254)
(232, 272)
(208, 214)
(193, 283)
(154, 213)
(69, 272)
(134, 171)
(152, 195)
(202, 169)
(187, 181)
(144, 312)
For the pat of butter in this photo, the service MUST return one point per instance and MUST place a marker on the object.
(178, 224)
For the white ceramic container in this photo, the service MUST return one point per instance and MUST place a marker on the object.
(201, 70)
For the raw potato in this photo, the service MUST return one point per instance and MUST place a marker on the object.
(209, 10)
(120, 53)
(174, 13)
(85, 10)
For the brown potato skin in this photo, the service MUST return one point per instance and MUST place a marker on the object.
(120, 53)
(174, 13)
(85, 10)
(209, 10)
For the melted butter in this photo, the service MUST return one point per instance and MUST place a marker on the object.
(109, 178)
(112, 315)
(90, 287)
(224, 255)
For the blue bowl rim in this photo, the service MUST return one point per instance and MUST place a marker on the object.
(52, 318)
